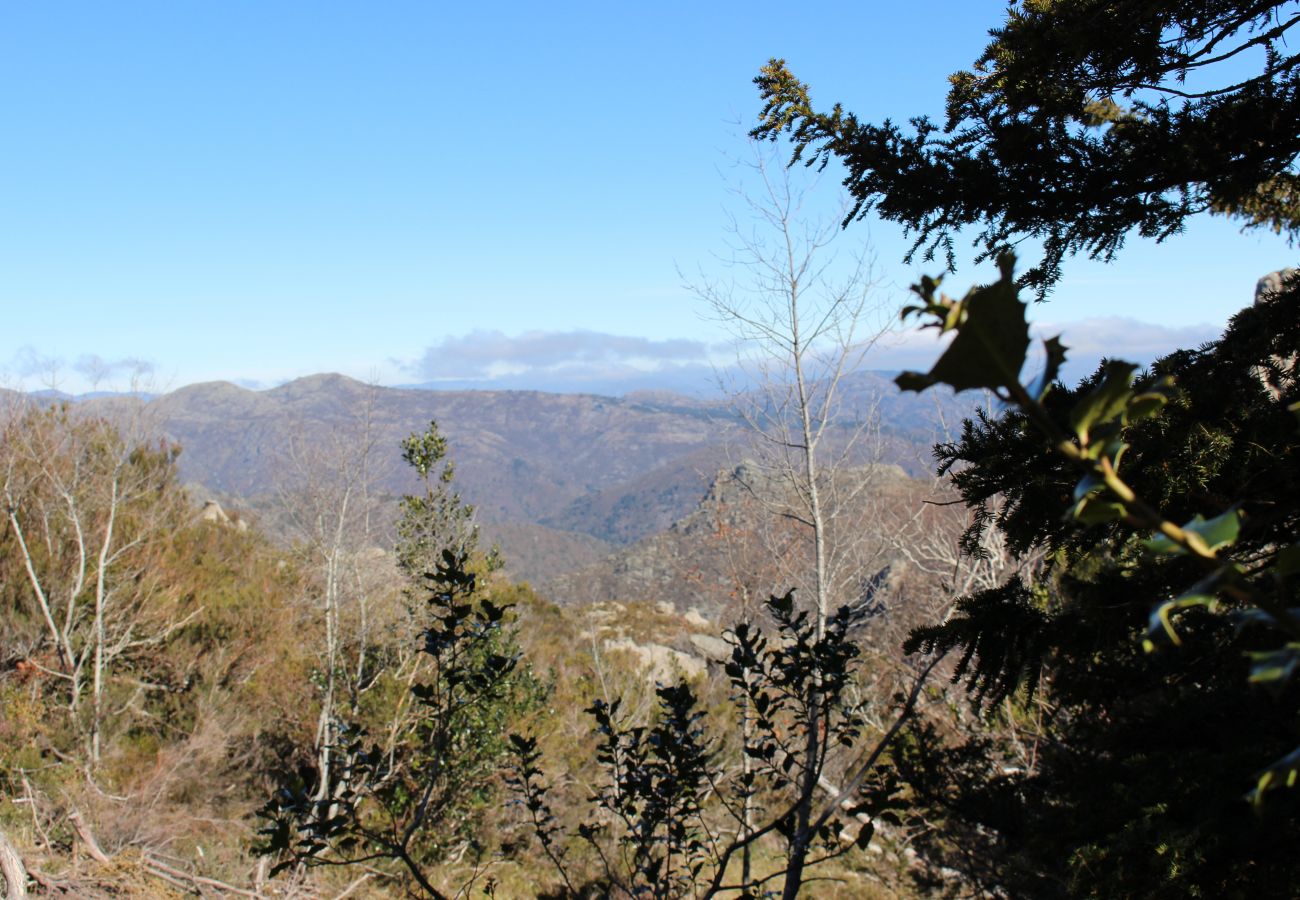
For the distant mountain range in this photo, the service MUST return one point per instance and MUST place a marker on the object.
(559, 479)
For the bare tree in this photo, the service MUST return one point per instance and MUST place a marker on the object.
(327, 496)
(85, 500)
(804, 318)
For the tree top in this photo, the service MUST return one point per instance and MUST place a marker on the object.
(1083, 122)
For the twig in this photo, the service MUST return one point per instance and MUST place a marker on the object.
(47, 883)
(170, 873)
(856, 781)
(29, 798)
(354, 885)
(170, 879)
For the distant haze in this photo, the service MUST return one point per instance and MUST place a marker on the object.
(586, 362)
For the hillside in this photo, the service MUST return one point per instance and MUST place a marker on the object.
(521, 456)
(731, 545)
(556, 478)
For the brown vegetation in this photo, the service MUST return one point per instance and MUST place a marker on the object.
(213, 645)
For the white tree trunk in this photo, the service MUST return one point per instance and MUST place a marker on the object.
(12, 870)
(101, 581)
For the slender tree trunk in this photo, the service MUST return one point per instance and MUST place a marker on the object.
(101, 577)
(326, 732)
(795, 312)
(812, 740)
(747, 801)
(60, 639)
(810, 473)
(12, 870)
(799, 845)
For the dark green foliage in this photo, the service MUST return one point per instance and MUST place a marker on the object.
(436, 519)
(657, 778)
(1220, 433)
(796, 680)
(525, 781)
(1002, 636)
(1143, 635)
(1083, 121)
(987, 349)
(411, 800)
(1157, 643)
(650, 825)
(410, 797)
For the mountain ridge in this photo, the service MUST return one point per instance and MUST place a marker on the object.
(565, 474)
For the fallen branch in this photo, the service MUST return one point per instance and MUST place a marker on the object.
(170, 873)
(178, 882)
(48, 884)
(347, 892)
(87, 837)
(155, 866)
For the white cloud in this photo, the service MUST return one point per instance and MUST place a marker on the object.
(1088, 342)
(89, 371)
(97, 370)
(1124, 338)
(572, 354)
(609, 363)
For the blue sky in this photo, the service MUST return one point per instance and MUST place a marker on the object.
(255, 191)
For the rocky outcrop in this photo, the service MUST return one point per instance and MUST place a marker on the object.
(1272, 284)
(660, 663)
(696, 564)
(212, 512)
(711, 647)
(1279, 373)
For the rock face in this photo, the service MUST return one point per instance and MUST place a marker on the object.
(1279, 375)
(696, 564)
(710, 647)
(662, 643)
(660, 663)
(695, 619)
(1272, 284)
(212, 512)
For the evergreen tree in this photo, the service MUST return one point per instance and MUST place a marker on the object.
(1155, 733)
(435, 519)
(1083, 121)
(411, 798)
(1161, 653)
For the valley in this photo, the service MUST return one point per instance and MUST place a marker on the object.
(561, 482)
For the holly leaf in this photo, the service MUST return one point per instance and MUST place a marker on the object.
(1149, 402)
(1253, 615)
(1274, 665)
(992, 338)
(1161, 621)
(864, 835)
(1088, 485)
(1284, 772)
(1206, 535)
(1097, 510)
(1107, 401)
